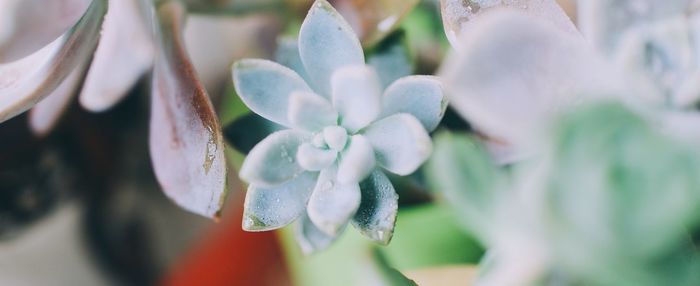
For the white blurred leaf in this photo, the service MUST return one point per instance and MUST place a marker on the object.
(513, 70)
(458, 15)
(25, 82)
(45, 114)
(28, 25)
(124, 54)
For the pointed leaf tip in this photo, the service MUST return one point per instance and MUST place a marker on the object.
(266, 87)
(326, 44)
(272, 208)
(376, 216)
(332, 204)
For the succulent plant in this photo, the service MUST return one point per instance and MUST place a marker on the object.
(325, 170)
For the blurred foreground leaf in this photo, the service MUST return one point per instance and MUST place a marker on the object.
(29, 25)
(28, 80)
(605, 177)
(458, 14)
(461, 170)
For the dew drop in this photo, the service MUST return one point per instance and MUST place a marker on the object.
(248, 222)
(471, 6)
(285, 155)
(380, 235)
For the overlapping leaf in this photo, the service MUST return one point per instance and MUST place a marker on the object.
(186, 142)
(373, 20)
(26, 81)
(26, 26)
(457, 15)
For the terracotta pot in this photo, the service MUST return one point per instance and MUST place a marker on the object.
(230, 256)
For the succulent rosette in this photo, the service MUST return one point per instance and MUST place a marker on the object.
(327, 168)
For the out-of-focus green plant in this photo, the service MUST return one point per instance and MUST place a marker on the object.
(610, 201)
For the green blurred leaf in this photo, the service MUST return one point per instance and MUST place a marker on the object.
(461, 170)
(425, 236)
(610, 179)
(391, 276)
(391, 58)
(246, 131)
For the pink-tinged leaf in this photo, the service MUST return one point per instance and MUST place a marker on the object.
(124, 54)
(45, 114)
(457, 14)
(186, 143)
(373, 20)
(28, 25)
(512, 72)
(25, 82)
